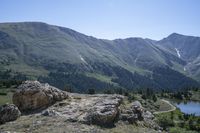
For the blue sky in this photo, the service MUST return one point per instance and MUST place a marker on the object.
(110, 19)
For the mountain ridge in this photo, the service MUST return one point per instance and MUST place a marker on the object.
(38, 50)
(40, 22)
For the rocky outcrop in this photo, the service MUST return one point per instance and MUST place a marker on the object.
(99, 109)
(104, 112)
(8, 112)
(136, 113)
(32, 95)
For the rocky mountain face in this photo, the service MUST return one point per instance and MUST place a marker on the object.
(66, 58)
(186, 48)
(76, 110)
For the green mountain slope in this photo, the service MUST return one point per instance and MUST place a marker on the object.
(66, 58)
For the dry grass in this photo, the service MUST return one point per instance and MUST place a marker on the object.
(6, 98)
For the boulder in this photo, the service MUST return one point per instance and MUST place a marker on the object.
(8, 112)
(105, 112)
(137, 109)
(103, 115)
(32, 95)
(135, 113)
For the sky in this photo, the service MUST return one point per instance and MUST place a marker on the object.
(110, 19)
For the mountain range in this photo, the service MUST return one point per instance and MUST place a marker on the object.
(69, 59)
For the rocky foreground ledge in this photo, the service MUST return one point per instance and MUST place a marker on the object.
(37, 102)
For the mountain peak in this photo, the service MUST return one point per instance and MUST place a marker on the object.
(174, 35)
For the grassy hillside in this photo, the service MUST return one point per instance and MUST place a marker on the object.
(64, 57)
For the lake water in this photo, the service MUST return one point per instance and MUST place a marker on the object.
(189, 107)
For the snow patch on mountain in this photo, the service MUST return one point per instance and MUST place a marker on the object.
(178, 52)
(83, 59)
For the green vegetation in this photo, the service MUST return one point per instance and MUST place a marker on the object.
(100, 77)
(165, 122)
(182, 94)
(7, 87)
(180, 130)
(176, 122)
(76, 82)
(195, 94)
(6, 98)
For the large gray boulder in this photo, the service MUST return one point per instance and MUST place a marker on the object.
(105, 112)
(32, 95)
(8, 112)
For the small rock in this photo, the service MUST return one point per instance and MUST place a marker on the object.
(49, 113)
(8, 112)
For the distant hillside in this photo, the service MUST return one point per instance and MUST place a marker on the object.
(66, 58)
(186, 48)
